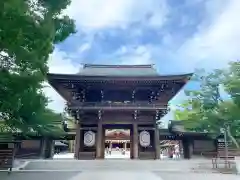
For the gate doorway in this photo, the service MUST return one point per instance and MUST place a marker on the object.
(142, 140)
(117, 141)
(171, 149)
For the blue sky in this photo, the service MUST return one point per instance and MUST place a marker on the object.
(176, 35)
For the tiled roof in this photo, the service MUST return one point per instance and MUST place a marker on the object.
(118, 70)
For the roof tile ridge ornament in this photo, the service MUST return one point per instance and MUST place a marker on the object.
(118, 66)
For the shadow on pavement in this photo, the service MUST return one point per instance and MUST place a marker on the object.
(37, 175)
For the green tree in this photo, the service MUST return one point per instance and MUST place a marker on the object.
(232, 82)
(207, 110)
(28, 32)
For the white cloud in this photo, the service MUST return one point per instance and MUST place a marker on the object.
(217, 43)
(84, 47)
(59, 63)
(136, 55)
(107, 13)
(95, 14)
(214, 44)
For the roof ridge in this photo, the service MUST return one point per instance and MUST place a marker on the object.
(117, 66)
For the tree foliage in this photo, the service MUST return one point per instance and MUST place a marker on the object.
(29, 29)
(216, 104)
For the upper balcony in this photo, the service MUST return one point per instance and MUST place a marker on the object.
(127, 105)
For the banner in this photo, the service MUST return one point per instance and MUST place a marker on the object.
(144, 138)
(89, 138)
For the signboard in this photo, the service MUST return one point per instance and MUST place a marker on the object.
(89, 138)
(144, 138)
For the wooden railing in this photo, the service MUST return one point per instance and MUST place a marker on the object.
(118, 105)
(6, 159)
(231, 152)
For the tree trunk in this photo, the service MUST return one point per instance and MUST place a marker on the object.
(232, 138)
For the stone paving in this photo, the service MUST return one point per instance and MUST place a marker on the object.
(116, 175)
(111, 164)
(196, 176)
(70, 169)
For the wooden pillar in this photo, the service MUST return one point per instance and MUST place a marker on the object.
(71, 146)
(156, 142)
(135, 140)
(43, 147)
(131, 144)
(77, 140)
(125, 146)
(181, 148)
(103, 144)
(52, 148)
(49, 148)
(99, 140)
(190, 149)
(187, 152)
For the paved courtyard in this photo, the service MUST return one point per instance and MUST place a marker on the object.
(110, 164)
(118, 169)
(116, 175)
